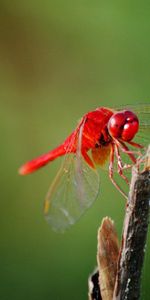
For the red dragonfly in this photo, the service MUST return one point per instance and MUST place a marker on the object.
(101, 135)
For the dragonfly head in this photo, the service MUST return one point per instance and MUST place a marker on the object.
(123, 125)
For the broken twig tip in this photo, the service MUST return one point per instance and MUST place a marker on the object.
(107, 257)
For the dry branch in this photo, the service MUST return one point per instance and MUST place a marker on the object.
(136, 221)
(131, 257)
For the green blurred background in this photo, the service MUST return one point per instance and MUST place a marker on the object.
(58, 60)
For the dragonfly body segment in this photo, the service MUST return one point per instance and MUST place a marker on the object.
(101, 135)
(93, 135)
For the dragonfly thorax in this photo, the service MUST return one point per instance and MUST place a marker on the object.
(105, 137)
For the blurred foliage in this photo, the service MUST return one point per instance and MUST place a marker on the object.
(58, 60)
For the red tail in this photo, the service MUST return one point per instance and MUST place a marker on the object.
(42, 160)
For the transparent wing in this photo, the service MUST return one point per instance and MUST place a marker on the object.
(73, 190)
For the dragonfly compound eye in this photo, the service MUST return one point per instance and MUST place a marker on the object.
(123, 125)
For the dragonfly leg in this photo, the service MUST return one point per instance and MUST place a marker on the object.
(126, 150)
(111, 171)
(120, 165)
(131, 151)
(88, 159)
(135, 145)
